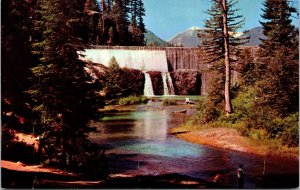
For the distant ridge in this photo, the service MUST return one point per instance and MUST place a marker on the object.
(152, 39)
(255, 35)
(189, 38)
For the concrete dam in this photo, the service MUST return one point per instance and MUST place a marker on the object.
(170, 61)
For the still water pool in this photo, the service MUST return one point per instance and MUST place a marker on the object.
(138, 143)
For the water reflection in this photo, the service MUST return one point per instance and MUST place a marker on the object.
(144, 136)
(155, 125)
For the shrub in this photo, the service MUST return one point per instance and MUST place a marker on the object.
(168, 102)
(207, 111)
(286, 129)
(132, 100)
(116, 83)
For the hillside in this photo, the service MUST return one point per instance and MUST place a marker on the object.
(152, 39)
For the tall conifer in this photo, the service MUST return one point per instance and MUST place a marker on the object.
(278, 61)
(62, 91)
(120, 19)
(219, 40)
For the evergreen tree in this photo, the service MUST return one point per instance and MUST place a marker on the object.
(140, 13)
(278, 61)
(218, 40)
(133, 24)
(277, 25)
(137, 26)
(120, 19)
(62, 92)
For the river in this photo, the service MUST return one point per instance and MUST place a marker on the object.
(138, 143)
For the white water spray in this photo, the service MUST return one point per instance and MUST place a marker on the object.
(168, 84)
(148, 88)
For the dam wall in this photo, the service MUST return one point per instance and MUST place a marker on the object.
(162, 59)
(143, 60)
(178, 58)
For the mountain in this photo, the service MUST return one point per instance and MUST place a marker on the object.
(189, 38)
(255, 35)
(152, 39)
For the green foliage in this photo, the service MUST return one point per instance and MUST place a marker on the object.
(213, 38)
(247, 69)
(278, 89)
(217, 82)
(169, 102)
(64, 95)
(121, 23)
(152, 40)
(132, 100)
(278, 60)
(277, 26)
(115, 22)
(219, 43)
(207, 111)
(116, 79)
(258, 123)
(266, 106)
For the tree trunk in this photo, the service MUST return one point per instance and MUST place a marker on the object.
(228, 108)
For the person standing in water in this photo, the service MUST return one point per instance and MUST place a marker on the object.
(240, 176)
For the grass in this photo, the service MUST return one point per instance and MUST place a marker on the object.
(169, 102)
(132, 100)
(253, 141)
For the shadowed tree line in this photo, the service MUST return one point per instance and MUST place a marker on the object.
(114, 22)
(46, 91)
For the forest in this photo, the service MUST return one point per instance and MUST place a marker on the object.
(48, 93)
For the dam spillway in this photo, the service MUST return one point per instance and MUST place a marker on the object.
(141, 60)
(162, 59)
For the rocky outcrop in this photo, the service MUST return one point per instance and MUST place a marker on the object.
(157, 82)
(186, 82)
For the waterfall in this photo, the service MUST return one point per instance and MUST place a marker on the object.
(168, 84)
(164, 78)
(148, 88)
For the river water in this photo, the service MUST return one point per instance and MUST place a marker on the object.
(138, 143)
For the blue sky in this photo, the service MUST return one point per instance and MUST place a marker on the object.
(167, 18)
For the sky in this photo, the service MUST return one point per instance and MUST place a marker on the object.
(166, 18)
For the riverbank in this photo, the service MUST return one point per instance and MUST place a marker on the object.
(229, 138)
(20, 175)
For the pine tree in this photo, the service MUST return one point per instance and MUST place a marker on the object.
(133, 24)
(277, 26)
(62, 91)
(218, 41)
(120, 19)
(140, 22)
(278, 61)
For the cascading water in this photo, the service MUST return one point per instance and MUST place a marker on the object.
(164, 78)
(168, 84)
(148, 88)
